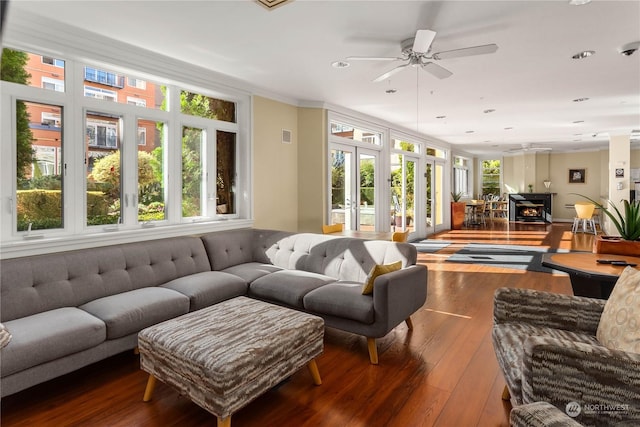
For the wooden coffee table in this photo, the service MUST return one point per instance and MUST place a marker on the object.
(588, 278)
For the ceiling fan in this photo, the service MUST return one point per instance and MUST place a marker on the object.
(528, 147)
(416, 52)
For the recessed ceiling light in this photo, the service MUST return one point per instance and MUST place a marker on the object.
(580, 99)
(489, 110)
(584, 54)
(340, 64)
(441, 117)
(579, 2)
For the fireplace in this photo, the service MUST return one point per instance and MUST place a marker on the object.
(530, 207)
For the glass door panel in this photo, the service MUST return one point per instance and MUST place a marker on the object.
(403, 184)
(341, 187)
(353, 188)
(434, 199)
(367, 192)
(438, 196)
(429, 198)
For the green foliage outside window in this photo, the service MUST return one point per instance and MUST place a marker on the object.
(13, 69)
(491, 177)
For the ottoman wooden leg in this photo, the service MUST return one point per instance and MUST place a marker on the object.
(315, 373)
(373, 351)
(224, 422)
(409, 323)
(505, 394)
(151, 385)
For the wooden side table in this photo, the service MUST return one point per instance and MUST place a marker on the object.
(588, 278)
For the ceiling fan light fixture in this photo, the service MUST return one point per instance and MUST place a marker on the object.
(579, 2)
(584, 54)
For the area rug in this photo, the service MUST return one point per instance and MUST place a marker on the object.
(516, 257)
(430, 246)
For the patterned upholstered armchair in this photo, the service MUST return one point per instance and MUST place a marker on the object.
(540, 414)
(547, 349)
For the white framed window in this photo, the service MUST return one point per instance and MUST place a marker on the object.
(53, 84)
(53, 61)
(142, 136)
(103, 77)
(99, 93)
(109, 190)
(50, 119)
(102, 133)
(137, 83)
(132, 100)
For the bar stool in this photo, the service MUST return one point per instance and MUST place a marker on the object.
(584, 218)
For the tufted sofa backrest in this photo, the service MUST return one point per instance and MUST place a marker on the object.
(34, 284)
(340, 257)
(228, 248)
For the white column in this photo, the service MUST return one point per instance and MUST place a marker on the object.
(619, 160)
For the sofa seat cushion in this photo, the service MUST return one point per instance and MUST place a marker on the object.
(287, 286)
(208, 288)
(509, 341)
(130, 312)
(341, 299)
(48, 336)
(251, 271)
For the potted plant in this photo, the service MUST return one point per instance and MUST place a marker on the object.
(627, 224)
(457, 211)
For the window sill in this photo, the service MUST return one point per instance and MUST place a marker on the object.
(50, 244)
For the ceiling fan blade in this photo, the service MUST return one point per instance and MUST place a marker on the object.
(436, 70)
(391, 73)
(423, 40)
(466, 51)
(372, 58)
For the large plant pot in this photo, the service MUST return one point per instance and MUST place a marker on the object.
(615, 245)
(457, 215)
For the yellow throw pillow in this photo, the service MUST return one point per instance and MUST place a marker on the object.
(619, 327)
(378, 270)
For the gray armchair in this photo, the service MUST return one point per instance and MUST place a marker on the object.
(547, 349)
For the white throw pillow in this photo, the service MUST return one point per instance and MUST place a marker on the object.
(619, 327)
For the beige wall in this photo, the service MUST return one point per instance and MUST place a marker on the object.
(312, 175)
(275, 165)
(518, 174)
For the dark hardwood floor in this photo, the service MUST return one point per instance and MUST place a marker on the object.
(443, 373)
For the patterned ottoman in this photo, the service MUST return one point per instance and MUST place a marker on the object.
(226, 355)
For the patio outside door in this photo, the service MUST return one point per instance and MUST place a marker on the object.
(353, 187)
(403, 185)
(434, 196)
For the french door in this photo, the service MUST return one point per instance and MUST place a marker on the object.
(404, 170)
(434, 197)
(354, 187)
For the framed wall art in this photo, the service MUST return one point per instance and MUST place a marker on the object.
(577, 176)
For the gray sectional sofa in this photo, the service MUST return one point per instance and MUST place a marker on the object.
(68, 310)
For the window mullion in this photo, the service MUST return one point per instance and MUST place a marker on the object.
(129, 171)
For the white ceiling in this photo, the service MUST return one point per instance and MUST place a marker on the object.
(530, 81)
